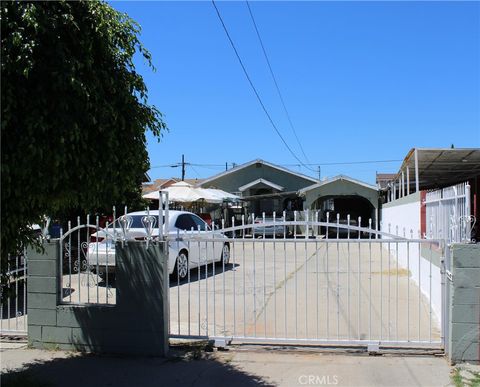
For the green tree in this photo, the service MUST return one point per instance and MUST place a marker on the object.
(74, 112)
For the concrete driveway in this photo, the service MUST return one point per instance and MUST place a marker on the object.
(305, 291)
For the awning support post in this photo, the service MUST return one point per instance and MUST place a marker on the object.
(417, 183)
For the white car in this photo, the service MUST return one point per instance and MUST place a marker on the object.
(191, 242)
(261, 230)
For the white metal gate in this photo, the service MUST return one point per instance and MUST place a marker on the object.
(13, 296)
(448, 214)
(314, 283)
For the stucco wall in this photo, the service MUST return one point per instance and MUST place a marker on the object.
(423, 260)
(137, 324)
(404, 213)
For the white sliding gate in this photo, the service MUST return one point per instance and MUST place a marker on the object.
(312, 283)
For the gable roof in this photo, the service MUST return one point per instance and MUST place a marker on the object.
(334, 179)
(256, 161)
(261, 181)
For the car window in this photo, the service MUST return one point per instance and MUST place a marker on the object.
(199, 223)
(185, 222)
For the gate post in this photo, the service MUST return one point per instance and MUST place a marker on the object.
(464, 308)
(136, 324)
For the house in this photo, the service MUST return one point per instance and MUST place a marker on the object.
(263, 186)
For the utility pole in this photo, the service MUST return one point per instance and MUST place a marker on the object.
(319, 173)
(183, 167)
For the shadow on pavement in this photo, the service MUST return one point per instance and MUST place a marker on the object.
(203, 273)
(185, 367)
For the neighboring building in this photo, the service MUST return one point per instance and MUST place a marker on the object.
(266, 188)
(263, 186)
(434, 191)
(383, 179)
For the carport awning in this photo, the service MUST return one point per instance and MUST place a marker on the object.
(440, 167)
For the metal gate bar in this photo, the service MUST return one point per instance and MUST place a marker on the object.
(319, 290)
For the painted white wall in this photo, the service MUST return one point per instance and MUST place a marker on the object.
(404, 215)
(423, 273)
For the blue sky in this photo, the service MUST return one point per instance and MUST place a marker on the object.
(362, 81)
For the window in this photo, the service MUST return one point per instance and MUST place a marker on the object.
(185, 222)
(199, 223)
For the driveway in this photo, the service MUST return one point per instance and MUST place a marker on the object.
(305, 291)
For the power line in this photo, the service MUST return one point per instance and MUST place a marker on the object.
(254, 89)
(165, 166)
(194, 170)
(275, 81)
(346, 163)
(217, 166)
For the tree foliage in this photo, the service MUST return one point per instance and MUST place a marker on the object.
(74, 112)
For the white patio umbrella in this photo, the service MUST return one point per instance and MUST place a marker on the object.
(213, 195)
(180, 192)
(183, 192)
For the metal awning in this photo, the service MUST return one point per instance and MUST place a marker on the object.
(437, 167)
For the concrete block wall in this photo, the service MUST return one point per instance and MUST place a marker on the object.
(136, 324)
(464, 327)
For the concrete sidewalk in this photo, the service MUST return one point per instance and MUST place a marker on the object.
(239, 366)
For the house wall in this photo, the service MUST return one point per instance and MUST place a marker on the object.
(232, 181)
(137, 324)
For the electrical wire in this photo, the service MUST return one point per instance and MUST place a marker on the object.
(346, 163)
(275, 82)
(217, 166)
(194, 170)
(255, 90)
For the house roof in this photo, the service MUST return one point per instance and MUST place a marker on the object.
(260, 181)
(440, 167)
(256, 161)
(334, 179)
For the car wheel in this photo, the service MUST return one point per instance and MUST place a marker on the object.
(181, 266)
(225, 258)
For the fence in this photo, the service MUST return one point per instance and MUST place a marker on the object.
(13, 309)
(448, 214)
(87, 262)
(329, 284)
